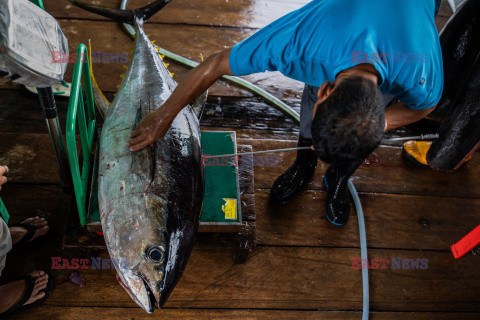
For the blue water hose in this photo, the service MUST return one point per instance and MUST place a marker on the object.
(363, 249)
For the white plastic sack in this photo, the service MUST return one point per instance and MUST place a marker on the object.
(31, 41)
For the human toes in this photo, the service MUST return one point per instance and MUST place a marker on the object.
(41, 231)
(38, 273)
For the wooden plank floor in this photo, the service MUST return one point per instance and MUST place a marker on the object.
(302, 266)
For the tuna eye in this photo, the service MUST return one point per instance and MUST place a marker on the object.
(155, 254)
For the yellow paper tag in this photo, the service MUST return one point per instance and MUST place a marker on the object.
(230, 208)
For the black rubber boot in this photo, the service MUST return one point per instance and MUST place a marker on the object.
(336, 178)
(297, 176)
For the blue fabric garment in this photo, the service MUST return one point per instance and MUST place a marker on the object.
(316, 42)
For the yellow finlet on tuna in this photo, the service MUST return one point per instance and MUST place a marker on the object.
(101, 101)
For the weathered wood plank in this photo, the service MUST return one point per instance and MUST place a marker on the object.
(26, 200)
(20, 112)
(233, 13)
(298, 278)
(29, 157)
(423, 228)
(429, 224)
(250, 118)
(385, 171)
(445, 10)
(73, 313)
(392, 221)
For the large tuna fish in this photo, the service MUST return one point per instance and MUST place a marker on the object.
(150, 200)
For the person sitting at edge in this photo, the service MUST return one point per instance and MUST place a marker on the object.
(348, 53)
(35, 287)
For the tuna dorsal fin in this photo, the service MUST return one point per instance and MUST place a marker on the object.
(124, 16)
(100, 100)
(199, 104)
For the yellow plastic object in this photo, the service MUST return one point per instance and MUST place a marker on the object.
(230, 208)
(417, 151)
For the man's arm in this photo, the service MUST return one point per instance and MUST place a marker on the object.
(156, 124)
(400, 115)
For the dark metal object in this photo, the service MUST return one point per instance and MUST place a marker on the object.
(47, 102)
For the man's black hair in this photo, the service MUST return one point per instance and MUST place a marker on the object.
(350, 123)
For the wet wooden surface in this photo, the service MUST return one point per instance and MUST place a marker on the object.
(64, 313)
(302, 266)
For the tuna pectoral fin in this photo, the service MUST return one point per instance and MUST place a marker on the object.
(101, 101)
(199, 104)
(125, 16)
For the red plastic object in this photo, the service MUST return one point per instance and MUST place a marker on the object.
(467, 243)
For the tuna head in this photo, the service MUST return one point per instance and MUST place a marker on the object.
(149, 248)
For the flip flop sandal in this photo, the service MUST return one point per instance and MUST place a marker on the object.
(20, 305)
(31, 229)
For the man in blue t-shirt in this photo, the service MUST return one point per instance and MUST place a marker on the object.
(349, 54)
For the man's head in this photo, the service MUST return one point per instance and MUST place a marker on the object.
(349, 119)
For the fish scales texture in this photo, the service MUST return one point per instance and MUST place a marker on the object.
(150, 199)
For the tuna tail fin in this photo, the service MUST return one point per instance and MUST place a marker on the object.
(124, 16)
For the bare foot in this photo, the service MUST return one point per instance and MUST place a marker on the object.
(13, 292)
(19, 232)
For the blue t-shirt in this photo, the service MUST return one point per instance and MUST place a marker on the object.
(314, 43)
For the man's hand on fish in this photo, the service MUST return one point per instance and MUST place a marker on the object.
(149, 130)
(155, 125)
